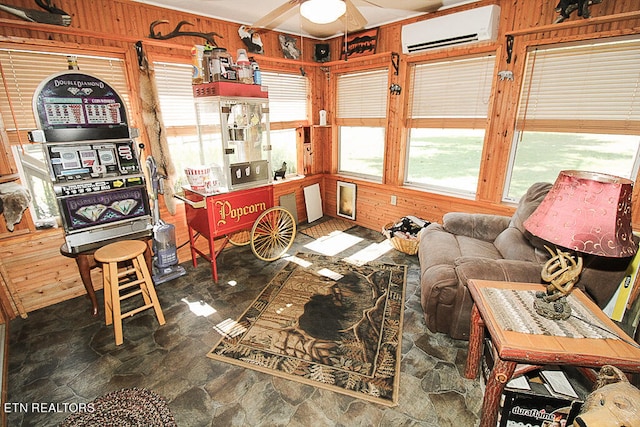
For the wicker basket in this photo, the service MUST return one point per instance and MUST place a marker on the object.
(408, 246)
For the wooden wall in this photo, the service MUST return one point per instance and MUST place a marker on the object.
(35, 275)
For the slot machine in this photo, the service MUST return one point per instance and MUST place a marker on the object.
(93, 160)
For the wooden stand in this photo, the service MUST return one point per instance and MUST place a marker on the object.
(516, 347)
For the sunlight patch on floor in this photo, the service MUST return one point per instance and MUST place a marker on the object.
(199, 308)
(334, 243)
(229, 328)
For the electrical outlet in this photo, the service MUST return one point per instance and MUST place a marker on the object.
(394, 200)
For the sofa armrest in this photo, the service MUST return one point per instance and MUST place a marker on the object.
(478, 226)
(503, 270)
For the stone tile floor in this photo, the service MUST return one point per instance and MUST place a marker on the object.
(62, 355)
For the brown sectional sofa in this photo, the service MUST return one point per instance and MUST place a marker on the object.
(492, 247)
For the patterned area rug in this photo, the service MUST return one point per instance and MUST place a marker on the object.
(327, 227)
(325, 322)
(129, 407)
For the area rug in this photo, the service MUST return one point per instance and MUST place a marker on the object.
(325, 322)
(327, 227)
(129, 407)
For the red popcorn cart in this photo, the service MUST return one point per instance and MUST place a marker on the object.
(235, 202)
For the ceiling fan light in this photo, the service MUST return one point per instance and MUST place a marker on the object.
(323, 11)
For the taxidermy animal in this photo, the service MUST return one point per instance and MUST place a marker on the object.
(566, 7)
(53, 15)
(15, 200)
(152, 119)
(613, 403)
(251, 39)
(280, 172)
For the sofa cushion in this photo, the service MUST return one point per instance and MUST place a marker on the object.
(479, 226)
(517, 242)
(529, 203)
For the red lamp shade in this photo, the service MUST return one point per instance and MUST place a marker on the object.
(587, 212)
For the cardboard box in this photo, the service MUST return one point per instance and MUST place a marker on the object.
(533, 409)
(229, 88)
(538, 406)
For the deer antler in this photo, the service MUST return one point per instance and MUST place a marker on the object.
(209, 37)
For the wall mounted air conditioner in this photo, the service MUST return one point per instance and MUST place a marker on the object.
(473, 25)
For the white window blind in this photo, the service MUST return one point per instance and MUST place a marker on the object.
(363, 95)
(175, 93)
(288, 96)
(453, 89)
(24, 70)
(594, 88)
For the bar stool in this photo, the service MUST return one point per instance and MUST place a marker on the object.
(135, 274)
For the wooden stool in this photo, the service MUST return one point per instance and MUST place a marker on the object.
(115, 281)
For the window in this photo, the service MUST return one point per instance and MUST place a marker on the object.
(362, 120)
(568, 119)
(446, 121)
(23, 71)
(175, 94)
(287, 109)
(288, 100)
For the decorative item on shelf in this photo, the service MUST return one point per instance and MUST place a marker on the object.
(251, 39)
(322, 52)
(53, 15)
(209, 37)
(584, 212)
(566, 7)
(280, 172)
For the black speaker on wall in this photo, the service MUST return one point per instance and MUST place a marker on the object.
(321, 53)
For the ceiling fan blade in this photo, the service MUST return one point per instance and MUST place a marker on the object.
(275, 14)
(354, 19)
(414, 5)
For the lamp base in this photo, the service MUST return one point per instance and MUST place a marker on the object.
(551, 306)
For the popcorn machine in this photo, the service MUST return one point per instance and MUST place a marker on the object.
(233, 125)
(93, 161)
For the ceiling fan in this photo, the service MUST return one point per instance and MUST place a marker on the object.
(348, 18)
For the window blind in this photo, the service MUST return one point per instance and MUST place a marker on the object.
(453, 89)
(584, 88)
(363, 95)
(288, 98)
(175, 92)
(24, 70)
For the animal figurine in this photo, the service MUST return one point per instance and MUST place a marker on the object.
(251, 39)
(280, 172)
(613, 403)
(566, 7)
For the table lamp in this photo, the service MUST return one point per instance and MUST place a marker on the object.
(584, 212)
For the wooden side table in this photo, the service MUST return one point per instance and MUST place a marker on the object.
(513, 347)
(86, 263)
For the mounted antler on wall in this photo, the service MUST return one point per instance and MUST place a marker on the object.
(53, 15)
(566, 7)
(209, 37)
